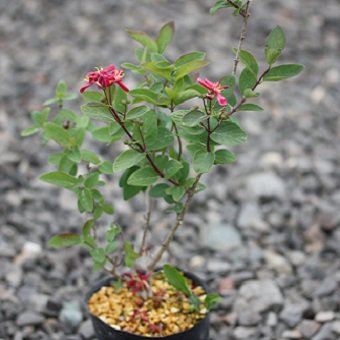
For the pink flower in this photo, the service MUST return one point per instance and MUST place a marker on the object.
(214, 90)
(104, 77)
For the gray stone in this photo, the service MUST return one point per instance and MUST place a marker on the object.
(250, 218)
(29, 319)
(71, 316)
(277, 262)
(14, 276)
(262, 294)
(221, 237)
(327, 287)
(291, 314)
(308, 328)
(325, 333)
(86, 329)
(266, 185)
(272, 319)
(245, 332)
(294, 334)
(218, 266)
(248, 318)
(325, 316)
(336, 327)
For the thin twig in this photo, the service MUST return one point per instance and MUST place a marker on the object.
(179, 221)
(233, 4)
(146, 222)
(242, 36)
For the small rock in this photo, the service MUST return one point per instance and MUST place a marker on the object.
(53, 308)
(29, 319)
(272, 319)
(225, 285)
(296, 257)
(197, 261)
(71, 316)
(266, 185)
(308, 328)
(221, 237)
(261, 294)
(336, 327)
(218, 266)
(271, 160)
(250, 218)
(291, 314)
(325, 316)
(294, 334)
(248, 318)
(327, 287)
(14, 276)
(325, 333)
(244, 332)
(86, 329)
(277, 262)
(28, 251)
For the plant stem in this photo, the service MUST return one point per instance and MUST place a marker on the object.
(233, 4)
(258, 82)
(140, 146)
(242, 35)
(147, 221)
(179, 221)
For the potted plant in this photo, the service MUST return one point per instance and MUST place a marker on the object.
(174, 127)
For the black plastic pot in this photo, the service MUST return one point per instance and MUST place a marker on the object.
(105, 332)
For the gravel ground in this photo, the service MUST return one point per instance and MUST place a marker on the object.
(269, 241)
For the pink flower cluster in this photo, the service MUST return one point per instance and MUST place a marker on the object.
(104, 78)
(214, 90)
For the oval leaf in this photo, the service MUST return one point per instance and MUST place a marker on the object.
(127, 159)
(283, 72)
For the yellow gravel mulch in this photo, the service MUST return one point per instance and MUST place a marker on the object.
(165, 311)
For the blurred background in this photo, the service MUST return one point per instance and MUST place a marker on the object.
(265, 234)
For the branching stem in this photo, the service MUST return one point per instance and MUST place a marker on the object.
(179, 221)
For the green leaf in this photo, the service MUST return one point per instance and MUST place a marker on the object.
(162, 139)
(89, 157)
(29, 131)
(158, 69)
(57, 133)
(40, 117)
(211, 300)
(64, 240)
(69, 115)
(129, 190)
(87, 227)
(102, 134)
(119, 99)
(61, 89)
(127, 159)
(189, 67)
(172, 167)
(275, 43)
(51, 101)
(283, 72)
(159, 190)
(165, 36)
(203, 161)
(92, 180)
(250, 107)
(92, 96)
(143, 177)
(112, 233)
(176, 192)
(249, 61)
(145, 94)
(249, 93)
(193, 118)
(176, 279)
(224, 157)
(106, 168)
(189, 57)
(144, 39)
(132, 67)
(130, 255)
(98, 255)
(85, 199)
(247, 80)
(60, 179)
(137, 112)
(229, 133)
(108, 209)
(97, 111)
(219, 5)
